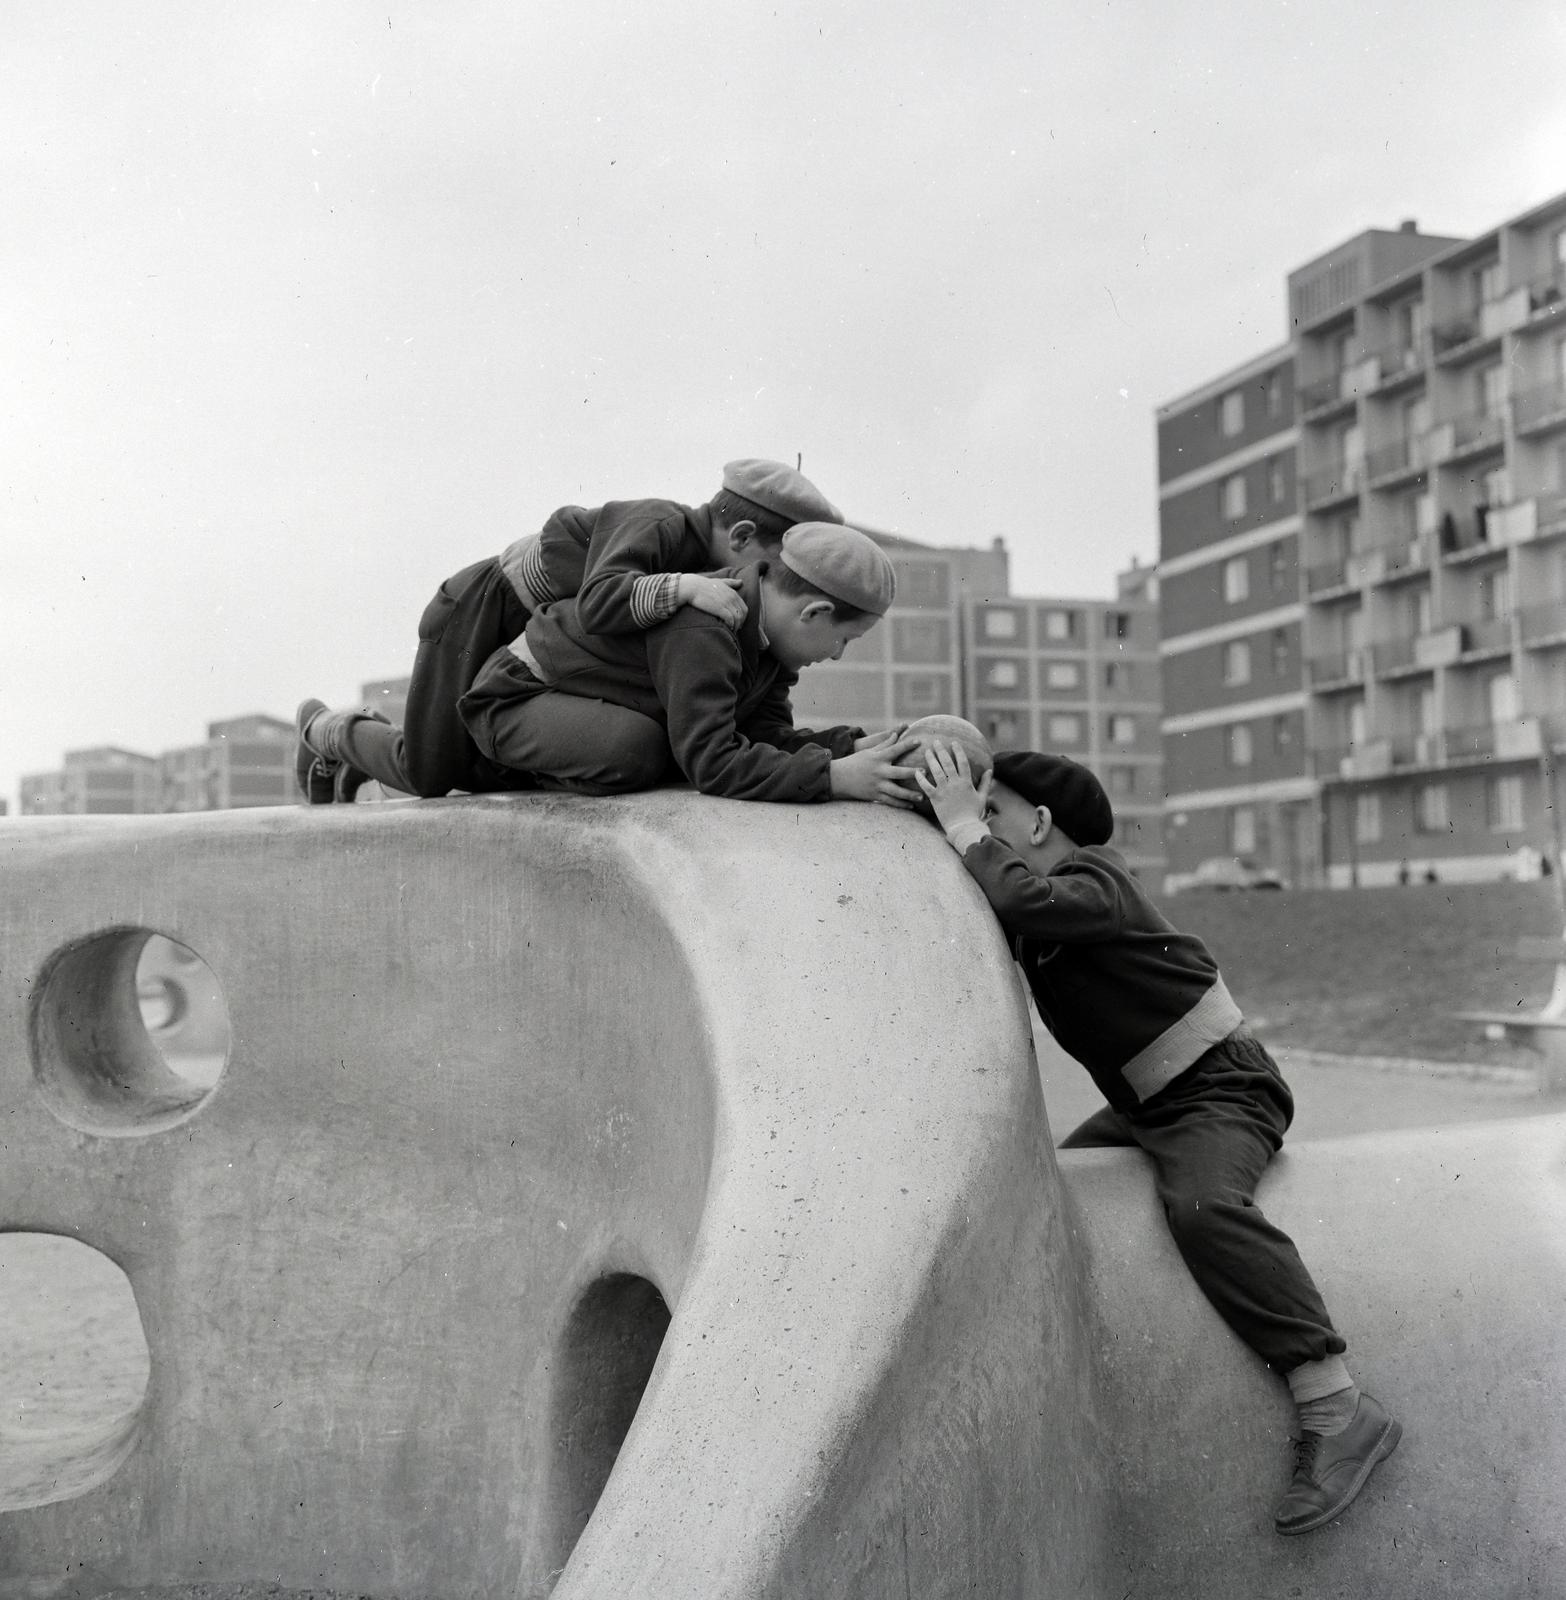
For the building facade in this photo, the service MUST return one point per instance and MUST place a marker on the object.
(1363, 585)
(101, 781)
(245, 761)
(1077, 676)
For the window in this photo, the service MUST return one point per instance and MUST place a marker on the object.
(1002, 675)
(999, 624)
(1278, 566)
(1496, 489)
(1503, 803)
(1351, 451)
(922, 583)
(1430, 809)
(1278, 481)
(1065, 730)
(1495, 596)
(1272, 394)
(1062, 675)
(1231, 413)
(1429, 720)
(1117, 625)
(1118, 676)
(1239, 744)
(1059, 625)
(1122, 780)
(1487, 282)
(1236, 580)
(1233, 493)
(1242, 830)
(1367, 818)
(1500, 695)
(1280, 652)
(1282, 734)
(926, 640)
(1122, 730)
(1492, 389)
(918, 694)
(1424, 513)
(1236, 662)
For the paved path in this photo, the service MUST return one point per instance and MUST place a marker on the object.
(1337, 1095)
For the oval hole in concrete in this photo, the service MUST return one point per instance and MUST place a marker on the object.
(605, 1358)
(73, 1369)
(130, 1032)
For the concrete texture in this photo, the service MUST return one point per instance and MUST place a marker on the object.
(534, 1101)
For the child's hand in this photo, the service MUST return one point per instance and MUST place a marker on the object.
(947, 782)
(869, 741)
(718, 597)
(871, 772)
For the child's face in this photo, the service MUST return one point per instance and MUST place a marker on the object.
(1021, 826)
(801, 632)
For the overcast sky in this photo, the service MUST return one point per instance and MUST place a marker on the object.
(308, 305)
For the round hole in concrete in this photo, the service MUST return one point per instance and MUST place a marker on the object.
(603, 1363)
(73, 1369)
(129, 1031)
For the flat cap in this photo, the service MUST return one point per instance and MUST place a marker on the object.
(1075, 798)
(779, 489)
(842, 562)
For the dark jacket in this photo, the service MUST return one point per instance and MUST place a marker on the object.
(720, 693)
(1119, 986)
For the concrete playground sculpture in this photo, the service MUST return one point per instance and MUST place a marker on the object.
(654, 1197)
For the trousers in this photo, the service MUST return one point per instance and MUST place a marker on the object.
(474, 613)
(1210, 1134)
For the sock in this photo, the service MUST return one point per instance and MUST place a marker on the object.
(1325, 1396)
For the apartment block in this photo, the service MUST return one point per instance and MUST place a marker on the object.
(245, 761)
(1433, 504)
(1236, 776)
(1080, 676)
(1363, 569)
(100, 781)
(910, 664)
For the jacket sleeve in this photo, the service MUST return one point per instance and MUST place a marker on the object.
(632, 567)
(1078, 903)
(772, 722)
(696, 665)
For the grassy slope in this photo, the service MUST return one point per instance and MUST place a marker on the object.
(1379, 971)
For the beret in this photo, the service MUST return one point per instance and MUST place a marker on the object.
(841, 562)
(1075, 798)
(779, 489)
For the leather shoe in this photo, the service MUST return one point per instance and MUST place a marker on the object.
(1330, 1469)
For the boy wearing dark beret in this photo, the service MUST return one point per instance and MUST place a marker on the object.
(606, 713)
(634, 563)
(1144, 1008)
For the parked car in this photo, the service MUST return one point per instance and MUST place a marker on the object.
(1234, 872)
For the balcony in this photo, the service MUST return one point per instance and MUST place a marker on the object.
(1460, 437)
(1544, 625)
(1320, 395)
(1465, 335)
(1391, 463)
(1337, 670)
(1541, 409)
(1331, 485)
(1546, 294)
(1393, 655)
(1492, 637)
(1406, 557)
(1494, 741)
(1397, 364)
(1325, 575)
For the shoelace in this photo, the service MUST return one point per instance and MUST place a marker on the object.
(1305, 1449)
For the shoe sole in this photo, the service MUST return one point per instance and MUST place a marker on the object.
(306, 760)
(1391, 1435)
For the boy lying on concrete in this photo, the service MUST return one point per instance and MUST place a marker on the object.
(635, 563)
(1144, 1008)
(605, 713)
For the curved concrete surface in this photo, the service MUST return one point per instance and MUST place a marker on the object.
(534, 1101)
